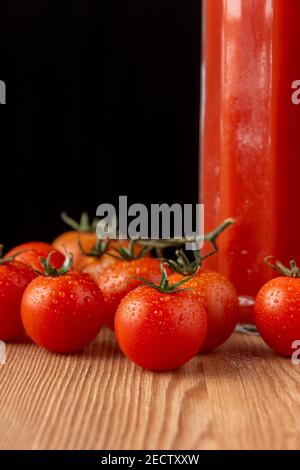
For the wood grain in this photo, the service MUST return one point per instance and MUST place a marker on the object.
(242, 396)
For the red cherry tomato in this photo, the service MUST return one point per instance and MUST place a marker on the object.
(14, 278)
(277, 313)
(116, 281)
(85, 231)
(70, 241)
(31, 252)
(63, 313)
(220, 300)
(160, 331)
(96, 265)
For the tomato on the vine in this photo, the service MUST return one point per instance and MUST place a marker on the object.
(220, 300)
(71, 242)
(106, 253)
(117, 280)
(81, 238)
(62, 310)
(31, 252)
(14, 278)
(161, 327)
(277, 310)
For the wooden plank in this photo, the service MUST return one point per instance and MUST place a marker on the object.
(242, 396)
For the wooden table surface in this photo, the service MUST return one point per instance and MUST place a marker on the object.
(242, 396)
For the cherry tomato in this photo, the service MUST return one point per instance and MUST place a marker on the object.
(31, 252)
(96, 265)
(277, 313)
(63, 313)
(220, 300)
(116, 281)
(70, 241)
(84, 230)
(14, 278)
(160, 331)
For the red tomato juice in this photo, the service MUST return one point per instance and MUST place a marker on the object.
(250, 158)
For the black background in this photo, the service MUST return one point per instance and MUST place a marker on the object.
(102, 100)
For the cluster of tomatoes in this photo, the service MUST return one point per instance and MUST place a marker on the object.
(62, 294)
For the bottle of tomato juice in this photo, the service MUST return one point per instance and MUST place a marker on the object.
(250, 146)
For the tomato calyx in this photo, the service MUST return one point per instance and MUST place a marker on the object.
(164, 286)
(184, 266)
(121, 252)
(98, 250)
(84, 225)
(293, 271)
(50, 271)
(124, 253)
